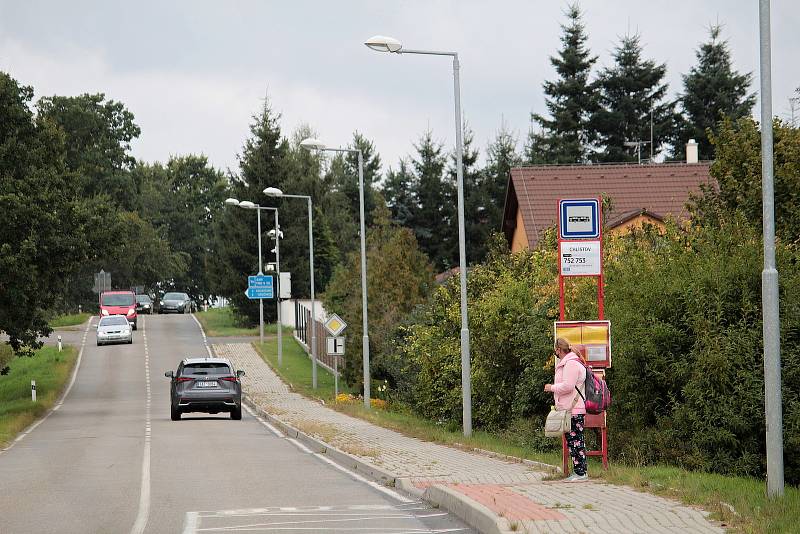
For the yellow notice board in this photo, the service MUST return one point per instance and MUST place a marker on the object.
(593, 336)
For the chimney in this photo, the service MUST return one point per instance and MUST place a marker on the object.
(691, 151)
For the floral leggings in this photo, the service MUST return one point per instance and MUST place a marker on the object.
(577, 445)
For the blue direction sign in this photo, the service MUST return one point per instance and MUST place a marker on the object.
(260, 286)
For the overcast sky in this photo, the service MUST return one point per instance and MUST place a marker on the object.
(194, 72)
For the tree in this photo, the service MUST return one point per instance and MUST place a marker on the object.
(501, 156)
(399, 278)
(399, 190)
(433, 222)
(183, 199)
(737, 171)
(566, 136)
(630, 93)
(347, 181)
(712, 89)
(262, 164)
(98, 135)
(43, 225)
(475, 200)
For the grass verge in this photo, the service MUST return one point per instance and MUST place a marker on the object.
(221, 322)
(70, 319)
(739, 503)
(50, 369)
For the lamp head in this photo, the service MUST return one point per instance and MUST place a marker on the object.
(273, 192)
(312, 144)
(381, 43)
(247, 204)
(231, 202)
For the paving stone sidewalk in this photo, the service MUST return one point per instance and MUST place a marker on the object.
(513, 494)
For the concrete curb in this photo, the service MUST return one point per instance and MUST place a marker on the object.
(340, 457)
(471, 512)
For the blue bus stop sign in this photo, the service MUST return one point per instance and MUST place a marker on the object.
(579, 218)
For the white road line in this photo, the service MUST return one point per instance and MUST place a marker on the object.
(63, 395)
(299, 445)
(383, 489)
(144, 495)
(205, 339)
(191, 523)
(271, 428)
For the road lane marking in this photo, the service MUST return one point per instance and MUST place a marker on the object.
(205, 339)
(394, 494)
(361, 518)
(144, 495)
(63, 396)
(383, 489)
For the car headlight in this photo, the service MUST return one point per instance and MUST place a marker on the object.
(161, 303)
(146, 305)
(104, 312)
(131, 311)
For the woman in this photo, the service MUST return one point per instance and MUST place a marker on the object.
(570, 372)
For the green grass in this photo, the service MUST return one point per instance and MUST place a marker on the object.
(296, 369)
(71, 319)
(752, 511)
(50, 369)
(221, 322)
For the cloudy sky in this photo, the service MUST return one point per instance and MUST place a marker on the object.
(194, 72)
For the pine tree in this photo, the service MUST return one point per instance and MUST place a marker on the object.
(399, 191)
(566, 136)
(432, 222)
(711, 89)
(628, 93)
(475, 223)
(501, 156)
(262, 164)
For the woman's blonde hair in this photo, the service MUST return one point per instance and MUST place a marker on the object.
(563, 344)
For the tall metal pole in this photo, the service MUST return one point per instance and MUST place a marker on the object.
(260, 271)
(313, 299)
(769, 276)
(278, 287)
(365, 338)
(466, 386)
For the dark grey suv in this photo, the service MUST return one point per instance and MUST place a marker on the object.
(209, 385)
(176, 303)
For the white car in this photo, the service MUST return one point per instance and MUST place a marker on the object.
(114, 329)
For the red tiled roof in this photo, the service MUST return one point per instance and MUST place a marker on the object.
(662, 189)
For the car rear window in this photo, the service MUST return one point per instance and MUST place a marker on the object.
(206, 368)
(113, 320)
(120, 299)
(144, 299)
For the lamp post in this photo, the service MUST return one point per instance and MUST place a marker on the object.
(278, 235)
(769, 275)
(253, 206)
(275, 192)
(380, 43)
(315, 144)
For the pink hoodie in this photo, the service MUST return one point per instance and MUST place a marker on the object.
(570, 372)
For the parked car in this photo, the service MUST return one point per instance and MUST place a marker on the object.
(209, 385)
(119, 303)
(175, 303)
(144, 304)
(114, 329)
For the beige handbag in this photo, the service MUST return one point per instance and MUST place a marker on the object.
(559, 422)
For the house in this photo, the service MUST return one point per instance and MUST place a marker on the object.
(639, 194)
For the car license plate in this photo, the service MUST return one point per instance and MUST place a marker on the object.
(205, 384)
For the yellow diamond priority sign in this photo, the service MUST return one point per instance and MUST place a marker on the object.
(335, 325)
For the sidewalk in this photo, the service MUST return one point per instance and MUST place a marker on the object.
(491, 494)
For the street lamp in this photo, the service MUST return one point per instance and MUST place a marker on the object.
(316, 144)
(253, 206)
(382, 43)
(275, 192)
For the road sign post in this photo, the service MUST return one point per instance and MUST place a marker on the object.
(580, 252)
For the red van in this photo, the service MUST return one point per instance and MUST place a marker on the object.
(119, 303)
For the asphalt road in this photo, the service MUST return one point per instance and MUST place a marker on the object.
(110, 460)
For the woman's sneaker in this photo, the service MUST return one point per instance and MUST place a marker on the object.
(576, 478)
